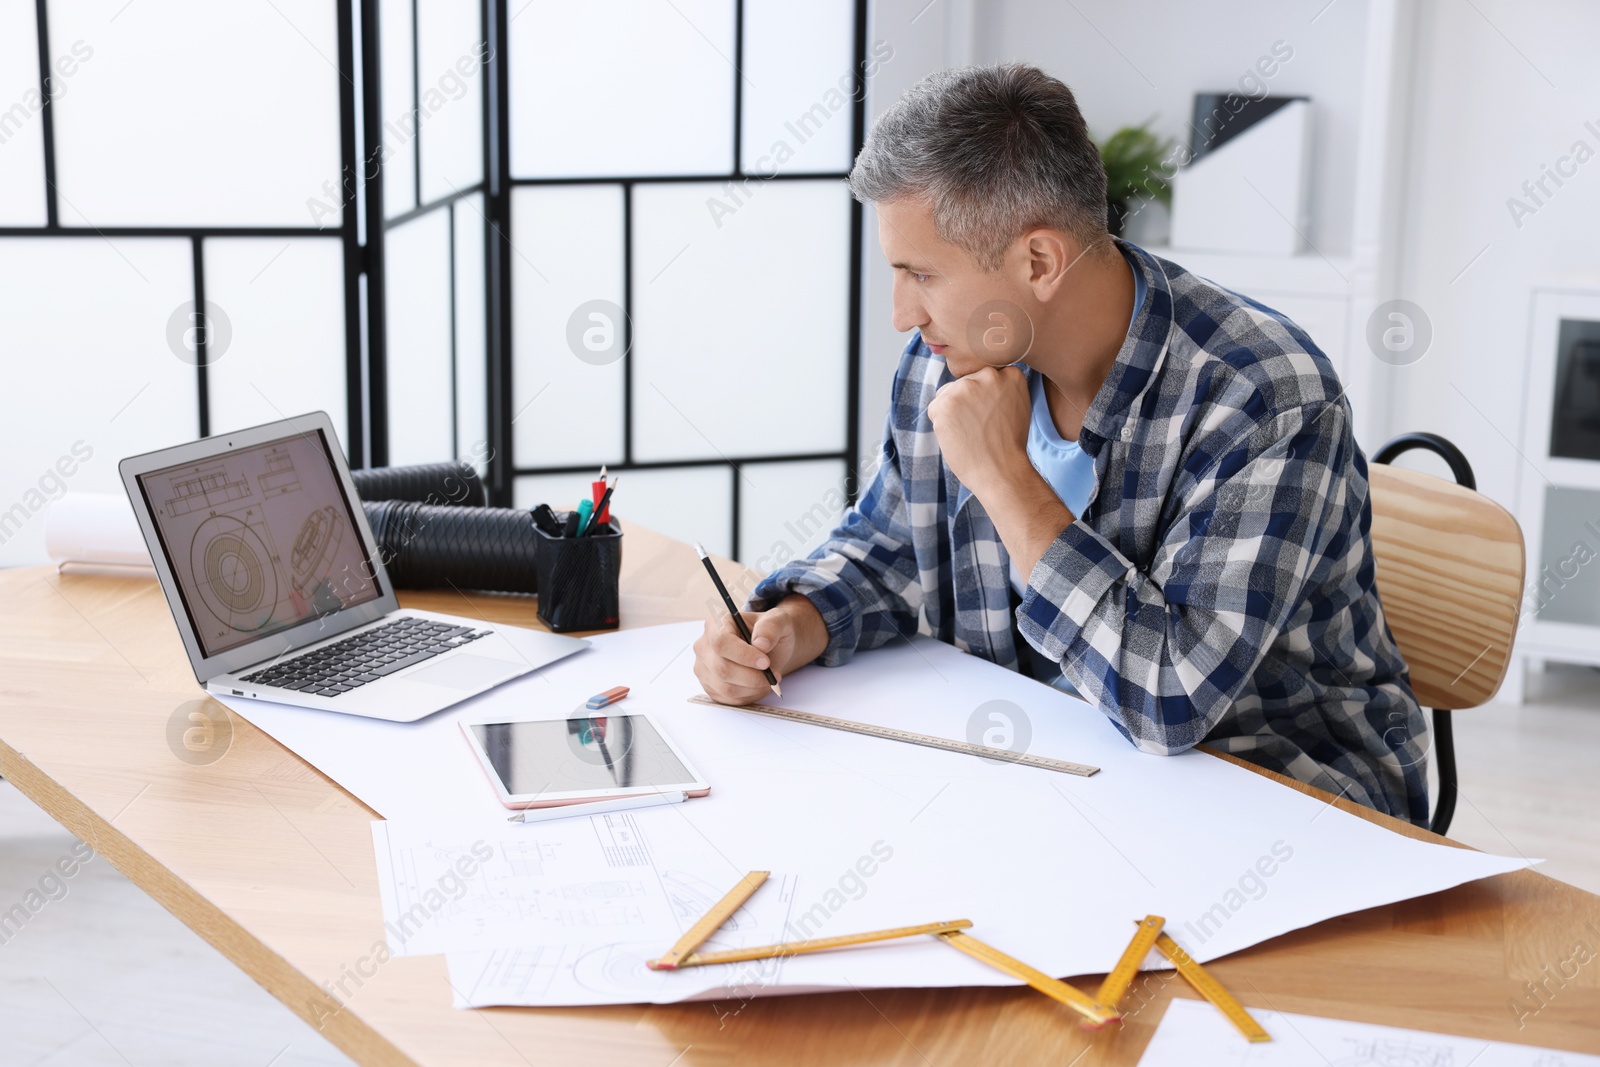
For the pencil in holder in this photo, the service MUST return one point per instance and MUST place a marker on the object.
(577, 578)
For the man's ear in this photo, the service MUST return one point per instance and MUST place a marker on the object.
(1050, 255)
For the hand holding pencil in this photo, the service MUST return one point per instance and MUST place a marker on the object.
(758, 660)
(744, 655)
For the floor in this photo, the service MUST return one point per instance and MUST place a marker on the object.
(104, 975)
(1527, 774)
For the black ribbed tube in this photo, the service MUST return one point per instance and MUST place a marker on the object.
(426, 483)
(429, 546)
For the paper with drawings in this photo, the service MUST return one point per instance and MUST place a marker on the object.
(1194, 1034)
(570, 976)
(1049, 867)
(598, 880)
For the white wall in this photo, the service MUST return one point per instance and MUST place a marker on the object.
(1130, 62)
(1496, 89)
(1495, 96)
(925, 37)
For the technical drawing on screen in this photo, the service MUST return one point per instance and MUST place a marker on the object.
(225, 522)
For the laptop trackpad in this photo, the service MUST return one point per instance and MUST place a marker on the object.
(466, 671)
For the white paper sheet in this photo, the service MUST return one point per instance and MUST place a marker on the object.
(1194, 1034)
(1049, 867)
(570, 976)
(604, 879)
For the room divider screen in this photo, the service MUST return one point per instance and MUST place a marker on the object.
(540, 236)
(161, 276)
(618, 234)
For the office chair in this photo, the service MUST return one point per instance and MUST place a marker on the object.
(1450, 565)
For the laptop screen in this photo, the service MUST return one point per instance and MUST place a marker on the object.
(260, 539)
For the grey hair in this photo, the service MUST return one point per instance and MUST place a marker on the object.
(996, 151)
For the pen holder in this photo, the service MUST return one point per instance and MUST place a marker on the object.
(577, 578)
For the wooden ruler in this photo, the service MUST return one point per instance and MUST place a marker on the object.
(683, 953)
(890, 734)
(1209, 988)
(820, 944)
(710, 922)
(1050, 987)
(1121, 976)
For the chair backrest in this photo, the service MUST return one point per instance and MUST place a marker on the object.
(1450, 567)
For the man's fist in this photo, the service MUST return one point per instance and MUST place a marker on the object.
(783, 639)
(981, 421)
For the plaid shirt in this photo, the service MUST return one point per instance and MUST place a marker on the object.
(1222, 588)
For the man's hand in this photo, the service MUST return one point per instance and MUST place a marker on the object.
(981, 422)
(982, 425)
(785, 639)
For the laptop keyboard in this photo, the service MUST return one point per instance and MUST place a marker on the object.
(372, 654)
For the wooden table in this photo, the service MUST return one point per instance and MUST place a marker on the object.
(272, 864)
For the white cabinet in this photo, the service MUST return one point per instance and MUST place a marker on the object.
(1558, 491)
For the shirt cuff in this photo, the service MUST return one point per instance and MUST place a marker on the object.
(1066, 586)
(832, 602)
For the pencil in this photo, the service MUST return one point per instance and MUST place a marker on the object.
(733, 609)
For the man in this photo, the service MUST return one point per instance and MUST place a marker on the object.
(1098, 469)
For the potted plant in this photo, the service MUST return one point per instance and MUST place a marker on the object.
(1136, 163)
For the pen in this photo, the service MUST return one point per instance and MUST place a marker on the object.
(585, 513)
(599, 807)
(733, 609)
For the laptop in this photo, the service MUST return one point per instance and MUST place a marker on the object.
(278, 590)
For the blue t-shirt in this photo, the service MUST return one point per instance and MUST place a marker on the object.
(1067, 468)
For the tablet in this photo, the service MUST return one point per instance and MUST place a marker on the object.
(540, 763)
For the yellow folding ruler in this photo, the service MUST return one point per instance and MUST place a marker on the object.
(1092, 1010)
(1209, 988)
(684, 954)
(819, 944)
(1150, 934)
(889, 733)
(1121, 976)
(709, 923)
